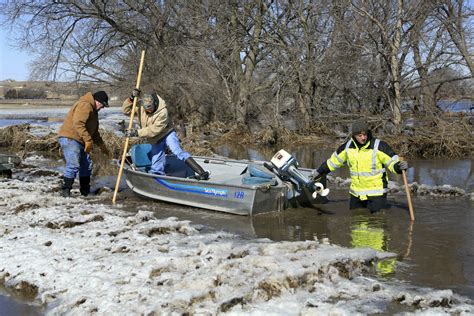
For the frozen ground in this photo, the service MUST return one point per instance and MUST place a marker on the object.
(84, 256)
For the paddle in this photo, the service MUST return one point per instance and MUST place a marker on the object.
(130, 124)
(407, 191)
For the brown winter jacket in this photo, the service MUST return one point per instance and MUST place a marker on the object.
(82, 121)
(153, 126)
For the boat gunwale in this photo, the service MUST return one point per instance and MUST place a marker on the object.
(280, 183)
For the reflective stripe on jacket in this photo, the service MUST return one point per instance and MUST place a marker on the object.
(367, 166)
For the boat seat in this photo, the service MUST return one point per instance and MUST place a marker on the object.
(141, 156)
(257, 174)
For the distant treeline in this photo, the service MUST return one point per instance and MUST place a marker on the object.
(25, 94)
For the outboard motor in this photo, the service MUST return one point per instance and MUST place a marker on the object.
(286, 166)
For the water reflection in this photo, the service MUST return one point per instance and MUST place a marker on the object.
(372, 234)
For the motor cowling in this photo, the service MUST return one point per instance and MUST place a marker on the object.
(286, 167)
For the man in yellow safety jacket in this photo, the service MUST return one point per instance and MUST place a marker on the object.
(368, 159)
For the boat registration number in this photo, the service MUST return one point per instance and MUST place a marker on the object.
(239, 195)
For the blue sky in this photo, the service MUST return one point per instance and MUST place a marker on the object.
(13, 62)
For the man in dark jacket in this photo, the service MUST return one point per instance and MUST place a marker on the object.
(78, 133)
(368, 160)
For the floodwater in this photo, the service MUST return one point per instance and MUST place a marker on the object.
(12, 307)
(463, 105)
(437, 250)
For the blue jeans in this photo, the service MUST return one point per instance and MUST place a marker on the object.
(77, 160)
(158, 158)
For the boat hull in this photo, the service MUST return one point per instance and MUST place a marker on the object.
(235, 199)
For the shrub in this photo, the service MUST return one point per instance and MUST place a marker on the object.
(25, 94)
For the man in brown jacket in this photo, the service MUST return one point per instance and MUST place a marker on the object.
(77, 134)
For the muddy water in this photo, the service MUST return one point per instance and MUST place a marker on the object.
(437, 250)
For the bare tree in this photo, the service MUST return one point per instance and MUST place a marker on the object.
(254, 61)
(388, 36)
(302, 44)
(427, 48)
(454, 14)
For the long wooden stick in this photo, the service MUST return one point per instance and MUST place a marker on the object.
(407, 190)
(130, 124)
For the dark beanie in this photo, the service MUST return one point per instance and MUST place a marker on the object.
(359, 126)
(102, 97)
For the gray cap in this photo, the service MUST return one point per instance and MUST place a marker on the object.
(148, 101)
(359, 126)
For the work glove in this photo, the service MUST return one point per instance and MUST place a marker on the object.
(403, 165)
(135, 94)
(88, 147)
(314, 175)
(131, 133)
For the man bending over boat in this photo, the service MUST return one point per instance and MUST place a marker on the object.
(368, 159)
(156, 126)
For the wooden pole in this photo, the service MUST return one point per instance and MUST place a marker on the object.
(407, 191)
(130, 124)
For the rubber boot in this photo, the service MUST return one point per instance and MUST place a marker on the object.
(201, 174)
(67, 186)
(85, 187)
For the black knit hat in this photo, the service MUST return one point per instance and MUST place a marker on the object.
(359, 126)
(102, 97)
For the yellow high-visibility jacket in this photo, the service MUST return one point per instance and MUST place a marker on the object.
(367, 164)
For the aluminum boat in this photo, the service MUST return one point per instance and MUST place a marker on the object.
(242, 187)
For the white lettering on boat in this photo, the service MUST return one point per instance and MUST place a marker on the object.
(215, 192)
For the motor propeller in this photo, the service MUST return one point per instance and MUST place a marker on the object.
(319, 189)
